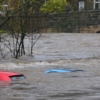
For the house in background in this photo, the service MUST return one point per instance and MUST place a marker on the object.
(85, 4)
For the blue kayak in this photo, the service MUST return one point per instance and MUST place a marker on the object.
(57, 70)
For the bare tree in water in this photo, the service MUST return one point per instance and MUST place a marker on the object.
(16, 25)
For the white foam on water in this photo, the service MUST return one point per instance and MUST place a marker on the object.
(39, 64)
(9, 65)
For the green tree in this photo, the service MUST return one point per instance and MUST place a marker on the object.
(54, 6)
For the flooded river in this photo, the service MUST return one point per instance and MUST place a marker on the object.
(76, 51)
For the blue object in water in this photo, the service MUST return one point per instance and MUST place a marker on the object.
(61, 70)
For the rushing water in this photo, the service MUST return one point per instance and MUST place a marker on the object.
(78, 51)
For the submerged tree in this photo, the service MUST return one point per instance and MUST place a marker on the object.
(15, 24)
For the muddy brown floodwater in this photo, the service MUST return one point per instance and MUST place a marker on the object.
(63, 50)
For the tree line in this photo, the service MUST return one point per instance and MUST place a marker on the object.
(47, 6)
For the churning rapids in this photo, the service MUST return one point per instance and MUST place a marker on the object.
(56, 50)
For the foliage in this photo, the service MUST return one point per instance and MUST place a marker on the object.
(54, 6)
(3, 31)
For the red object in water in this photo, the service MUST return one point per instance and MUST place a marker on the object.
(10, 76)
